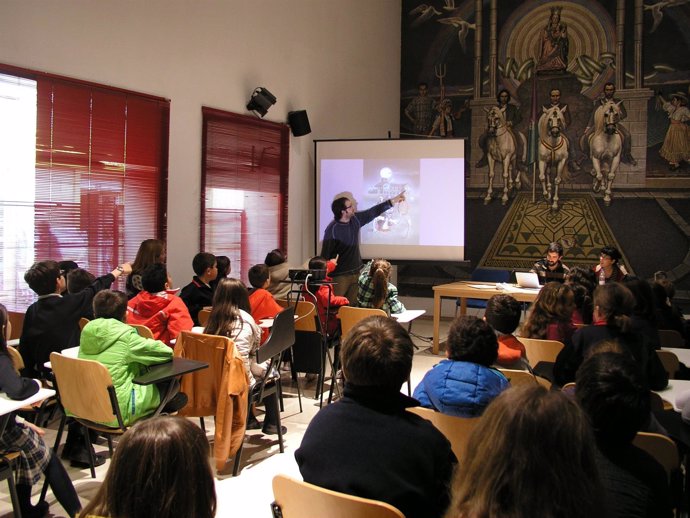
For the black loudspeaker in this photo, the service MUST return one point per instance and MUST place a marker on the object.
(299, 123)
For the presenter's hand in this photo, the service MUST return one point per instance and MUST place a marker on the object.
(400, 197)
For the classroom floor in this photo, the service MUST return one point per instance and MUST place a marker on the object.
(250, 493)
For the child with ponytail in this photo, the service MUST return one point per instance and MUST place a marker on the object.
(375, 291)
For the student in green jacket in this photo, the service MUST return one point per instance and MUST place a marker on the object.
(109, 340)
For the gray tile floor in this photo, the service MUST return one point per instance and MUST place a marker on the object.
(249, 494)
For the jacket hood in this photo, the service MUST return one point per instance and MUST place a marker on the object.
(147, 304)
(100, 334)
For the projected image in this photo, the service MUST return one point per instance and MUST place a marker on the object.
(428, 225)
(383, 180)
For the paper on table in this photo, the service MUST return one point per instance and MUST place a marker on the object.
(484, 286)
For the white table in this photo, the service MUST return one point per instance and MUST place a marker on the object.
(674, 390)
(70, 352)
(7, 405)
(408, 315)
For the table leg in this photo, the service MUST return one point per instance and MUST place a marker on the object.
(437, 322)
(463, 306)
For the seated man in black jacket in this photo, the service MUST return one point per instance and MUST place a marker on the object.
(367, 444)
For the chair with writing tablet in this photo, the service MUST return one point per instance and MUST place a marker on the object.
(670, 362)
(296, 499)
(517, 377)
(86, 392)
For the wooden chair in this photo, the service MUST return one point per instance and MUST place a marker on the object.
(456, 429)
(203, 316)
(85, 391)
(663, 449)
(670, 362)
(143, 330)
(82, 322)
(541, 350)
(671, 338)
(36, 414)
(517, 377)
(15, 324)
(349, 316)
(8, 461)
(297, 499)
(226, 372)
(281, 339)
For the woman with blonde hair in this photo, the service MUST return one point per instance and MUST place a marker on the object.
(531, 454)
(375, 291)
(151, 251)
(160, 468)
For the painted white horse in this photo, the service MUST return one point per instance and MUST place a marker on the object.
(501, 148)
(553, 151)
(605, 147)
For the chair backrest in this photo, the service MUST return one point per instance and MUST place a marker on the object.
(282, 336)
(306, 316)
(670, 362)
(202, 386)
(143, 330)
(663, 449)
(671, 338)
(283, 303)
(83, 321)
(349, 316)
(297, 499)
(15, 320)
(16, 357)
(83, 388)
(541, 350)
(456, 429)
(203, 315)
(517, 377)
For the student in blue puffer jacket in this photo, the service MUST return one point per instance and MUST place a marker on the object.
(463, 385)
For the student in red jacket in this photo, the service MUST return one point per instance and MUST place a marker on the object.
(326, 302)
(261, 301)
(158, 307)
(503, 315)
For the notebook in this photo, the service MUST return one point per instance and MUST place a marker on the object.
(527, 280)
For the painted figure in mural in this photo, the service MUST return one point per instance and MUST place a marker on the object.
(676, 146)
(552, 151)
(554, 44)
(443, 125)
(608, 97)
(555, 102)
(512, 116)
(420, 111)
(501, 148)
(605, 147)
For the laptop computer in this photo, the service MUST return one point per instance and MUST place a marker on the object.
(527, 280)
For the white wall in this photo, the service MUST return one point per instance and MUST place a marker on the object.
(338, 59)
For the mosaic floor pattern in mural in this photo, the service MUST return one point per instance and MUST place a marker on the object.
(529, 227)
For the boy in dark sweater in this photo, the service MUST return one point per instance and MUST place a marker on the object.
(198, 294)
(52, 322)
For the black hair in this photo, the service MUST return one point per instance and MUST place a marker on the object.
(338, 206)
(555, 247)
(258, 275)
(110, 304)
(154, 277)
(612, 252)
(470, 339)
(202, 262)
(275, 257)
(79, 279)
(223, 264)
(42, 277)
(503, 313)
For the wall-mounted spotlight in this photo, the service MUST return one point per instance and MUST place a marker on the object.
(260, 101)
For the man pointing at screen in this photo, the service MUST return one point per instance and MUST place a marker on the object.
(341, 239)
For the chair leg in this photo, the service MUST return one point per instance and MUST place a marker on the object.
(110, 444)
(280, 431)
(6, 472)
(238, 460)
(409, 387)
(89, 448)
(201, 423)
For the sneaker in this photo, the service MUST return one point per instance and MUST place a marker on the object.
(81, 460)
(253, 423)
(178, 402)
(271, 429)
